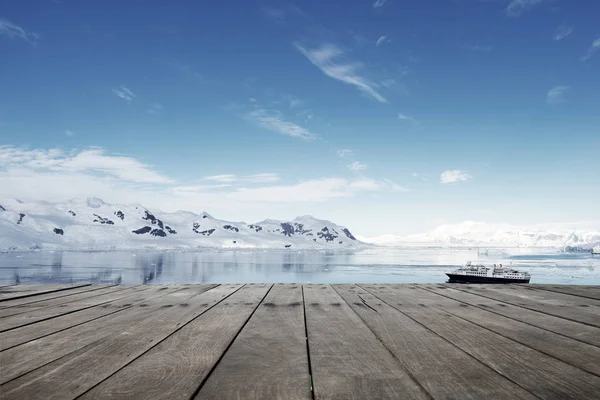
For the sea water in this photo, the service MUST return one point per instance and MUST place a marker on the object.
(376, 265)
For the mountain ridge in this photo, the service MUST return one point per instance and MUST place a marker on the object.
(92, 224)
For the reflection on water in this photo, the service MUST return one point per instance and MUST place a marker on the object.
(370, 266)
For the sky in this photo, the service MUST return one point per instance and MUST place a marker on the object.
(387, 116)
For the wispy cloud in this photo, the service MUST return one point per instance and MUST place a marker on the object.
(452, 176)
(518, 7)
(295, 102)
(382, 39)
(394, 186)
(274, 121)
(357, 166)
(408, 118)
(479, 48)
(278, 16)
(592, 50)
(69, 133)
(12, 31)
(256, 178)
(562, 32)
(325, 58)
(124, 93)
(155, 108)
(415, 175)
(184, 69)
(557, 95)
(379, 3)
(345, 153)
(86, 161)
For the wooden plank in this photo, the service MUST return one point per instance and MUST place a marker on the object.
(573, 352)
(75, 374)
(347, 360)
(586, 291)
(35, 331)
(418, 349)
(268, 360)
(46, 313)
(31, 355)
(538, 373)
(175, 367)
(574, 330)
(62, 300)
(23, 291)
(585, 311)
(37, 300)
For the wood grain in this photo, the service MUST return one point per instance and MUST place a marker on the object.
(176, 367)
(22, 359)
(23, 291)
(268, 360)
(581, 310)
(40, 299)
(587, 291)
(584, 333)
(445, 371)
(347, 360)
(536, 372)
(40, 329)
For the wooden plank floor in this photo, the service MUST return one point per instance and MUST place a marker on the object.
(288, 341)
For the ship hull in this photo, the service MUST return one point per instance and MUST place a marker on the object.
(455, 278)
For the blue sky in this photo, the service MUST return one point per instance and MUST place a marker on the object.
(387, 116)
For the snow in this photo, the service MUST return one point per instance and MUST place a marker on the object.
(92, 224)
(479, 234)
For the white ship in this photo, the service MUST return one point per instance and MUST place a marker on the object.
(472, 273)
(596, 250)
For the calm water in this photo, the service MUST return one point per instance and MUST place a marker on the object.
(369, 266)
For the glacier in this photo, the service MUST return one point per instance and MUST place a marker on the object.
(92, 224)
(480, 234)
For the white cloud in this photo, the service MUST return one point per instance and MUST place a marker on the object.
(379, 3)
(592, 50)
(256, 178)
(557, 95)
(383, 39)
(12, 31)
(69, 133)
(345, 152)
(518, 7)
(562, 32)
(155, 108)
(414, 174)
(451, 176)
(404, 117)
(124, 93)
(89, 161)
(394, 186)
(295, 102)
(274, 121)
(357, 166)
(325, 58)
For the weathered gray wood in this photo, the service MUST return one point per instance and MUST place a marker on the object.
(586, 311)
(268, 360)
(347, 360)
(45, 313)
(456, 376)
(575, 330)
(22, 291)
(19, 360)
(587, 291)
(573, 352)
(176, 367)
(73, 376)
(538, 373)
(54, 303)
(39, 300)
(35, 331)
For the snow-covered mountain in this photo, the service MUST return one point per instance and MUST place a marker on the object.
(474, 234)
(93, 224)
